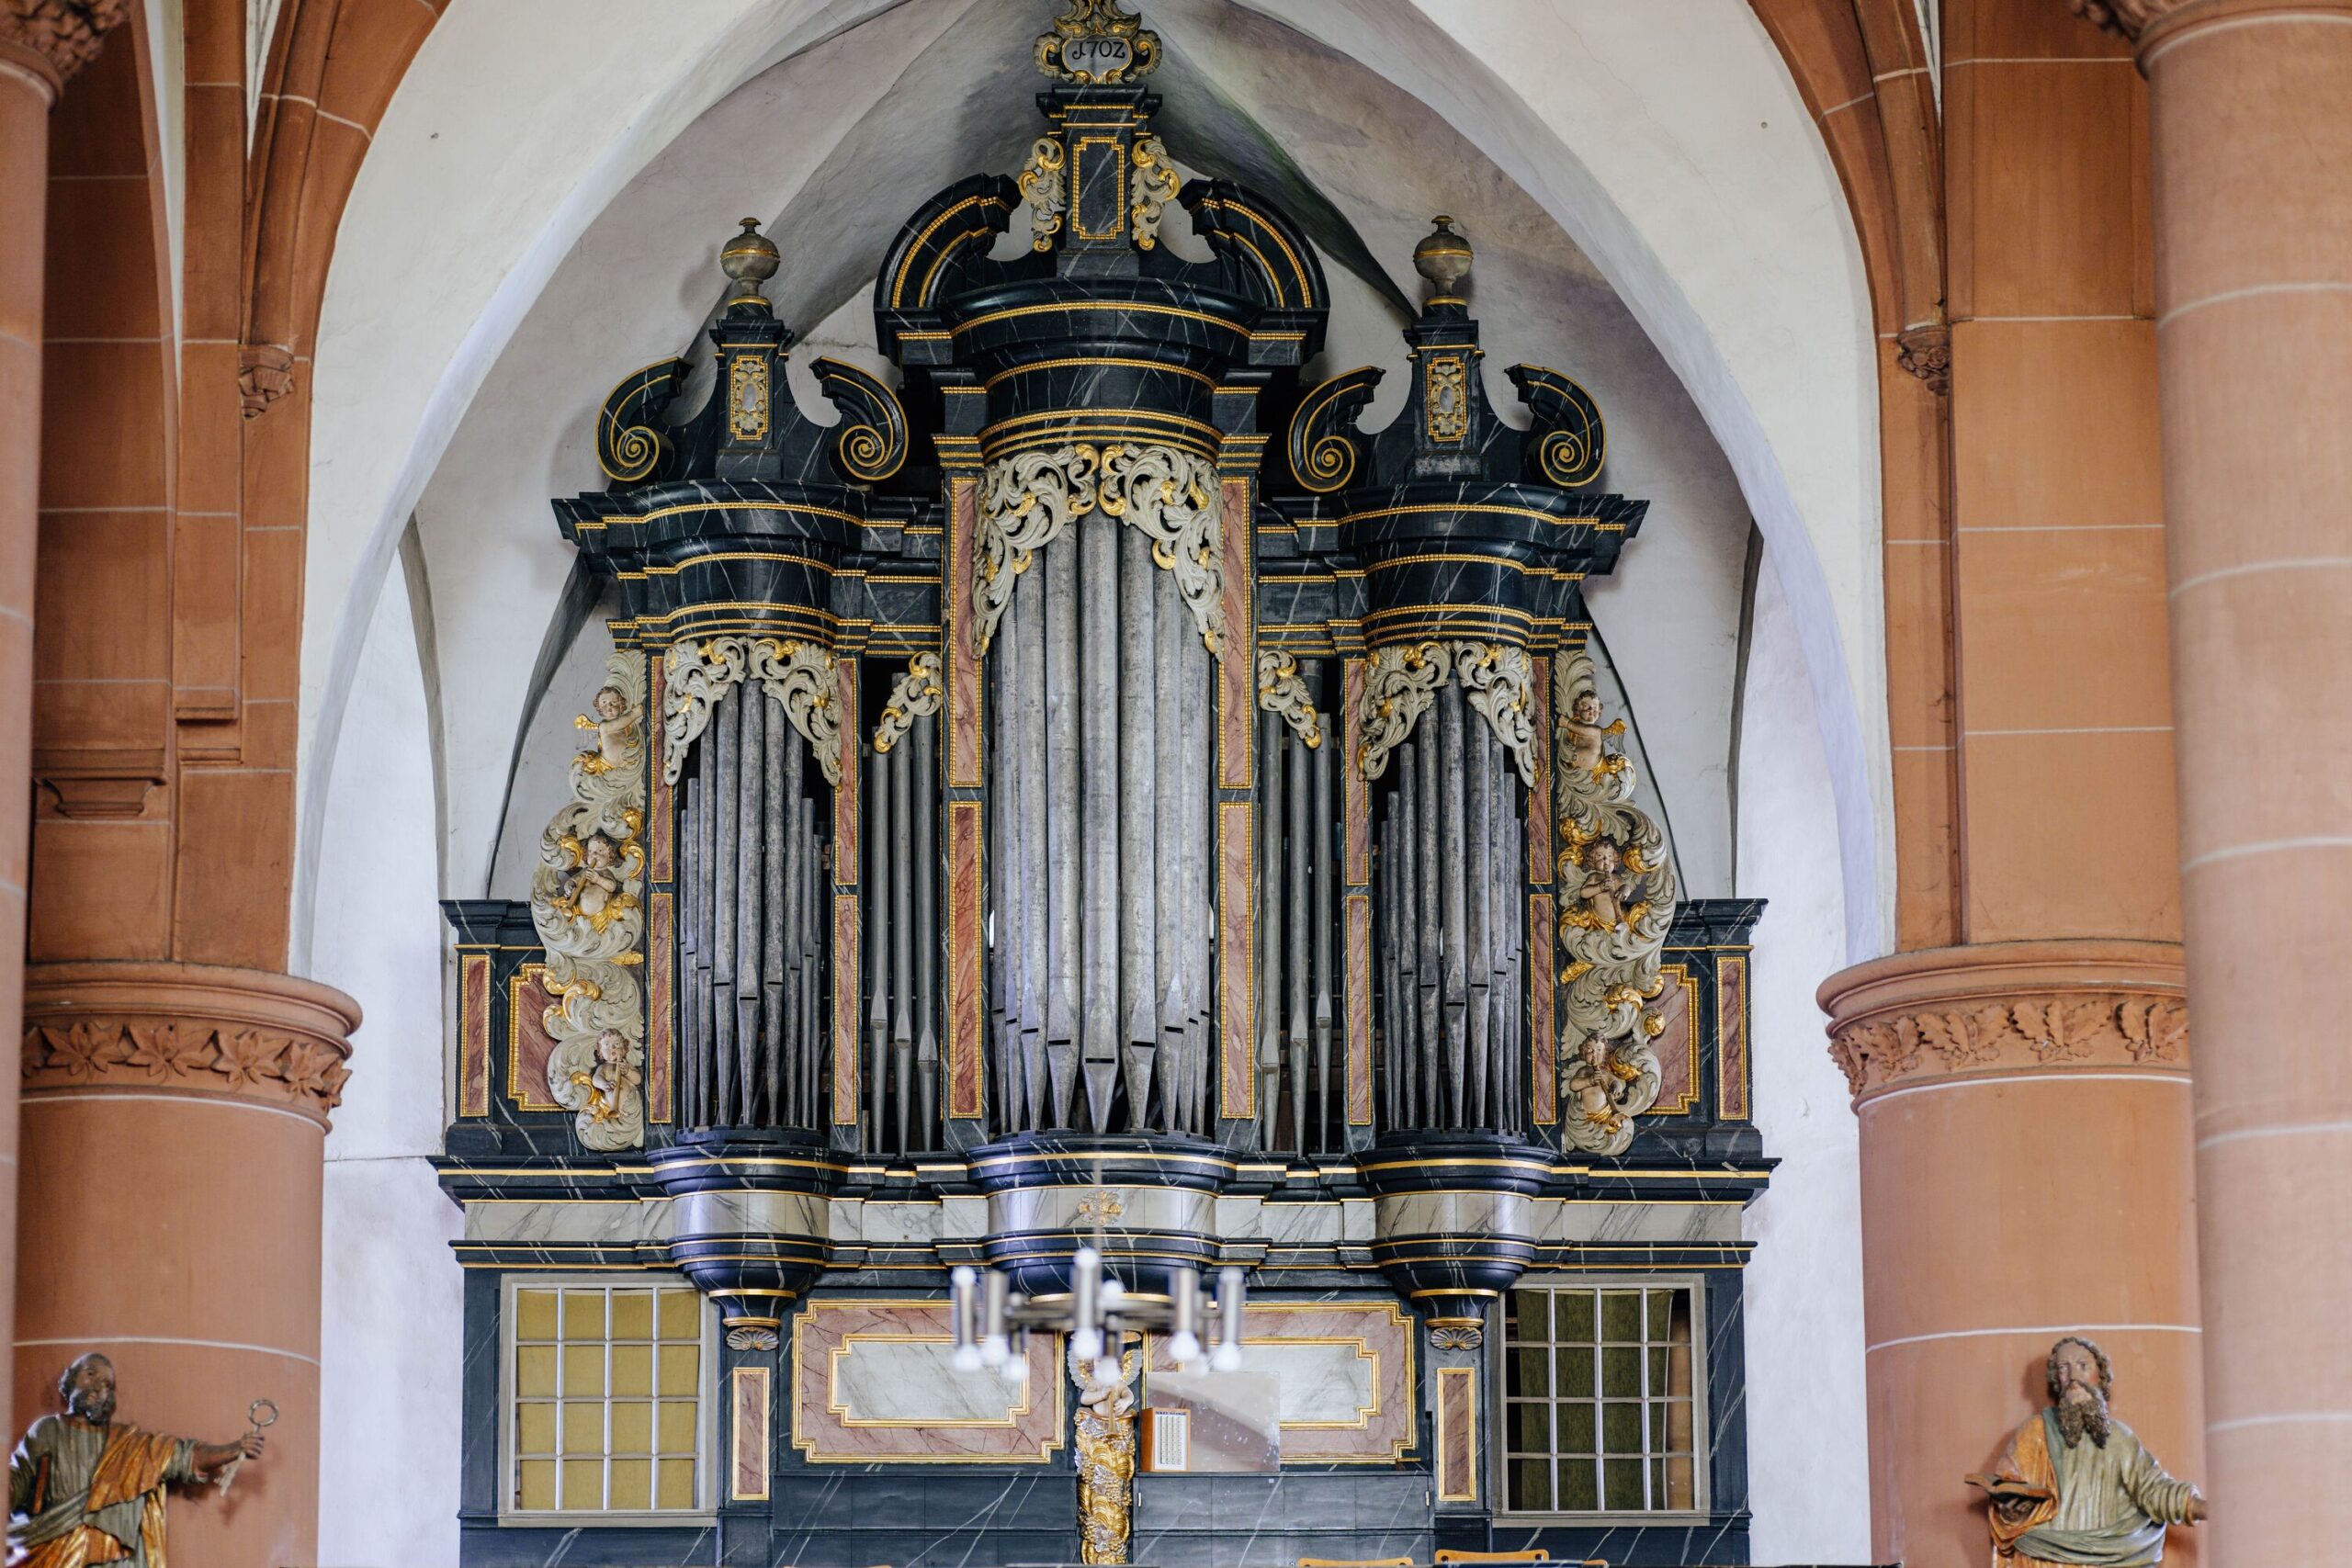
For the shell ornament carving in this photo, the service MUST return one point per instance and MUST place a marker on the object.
(587, 905)
(1280, 689)
(1107, 1457)
(918, 692)
(1027, 500)
(1617, 897)
(798, 675)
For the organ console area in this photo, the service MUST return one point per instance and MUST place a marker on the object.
(1081, 789)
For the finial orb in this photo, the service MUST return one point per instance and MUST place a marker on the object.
(1443, 257)
(749, 258)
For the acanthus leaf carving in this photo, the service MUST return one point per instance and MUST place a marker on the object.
(1499, 681)
(586, 905)
(1400, 682)
(917, 693)
(1155, 183)
(1042, 187)
(1027, 500)
(2153, 1028)
(142, 1051)
(1281, 691)
(2061, 1031)
(799, 675)
(1617, 894)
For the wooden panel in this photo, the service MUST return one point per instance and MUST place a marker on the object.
(748, 1481)
(965, 1095)
(661, 965)
(1457, 1435)
(873, 1381)
(473, 1034)
(1236, 929)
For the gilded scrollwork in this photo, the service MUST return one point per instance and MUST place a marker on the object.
(798, 675)
(1617, 896)
(587, 906)
(1498, 680)
(1027, 500)
(1106, 1455)
(1280, 689)
(1400, 682)
(1045, 188)
(1156, 184)
(918, 692)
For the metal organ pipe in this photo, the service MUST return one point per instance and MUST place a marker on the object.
(926, 926)
(1027, 714)
(1058, 877)
(902, 950)
(1098, 587)
(1172, 766)
(1298, 914)
(1325, 919)
(877, 943)
(1138, 827)
(1477, 865)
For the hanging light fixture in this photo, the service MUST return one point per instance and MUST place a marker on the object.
(993, 1321)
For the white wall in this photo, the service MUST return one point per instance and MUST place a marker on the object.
(1808, 1462)
(390, 1310)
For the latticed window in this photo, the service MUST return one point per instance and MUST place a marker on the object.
(609, 1398)
(1599, 1409)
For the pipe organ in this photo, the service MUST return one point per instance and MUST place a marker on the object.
(1083, 789)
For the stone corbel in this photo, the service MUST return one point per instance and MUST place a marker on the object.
(264, 374)
(62, 35)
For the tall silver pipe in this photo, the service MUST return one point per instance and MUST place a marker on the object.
(902, 944)
(776, 919)
(727, 726)
(1058, 874)
(877, 945)
(1138, 822)
(1023, 785)
(816, 938)
(1297, 915)
(1428, 941)
(1326, 878)
(1450, 868)
(691, 903)
(798, 912)
(1176, 770)
(1007, 809)
(1270, 923)
(927, 933)
(1477, 871)
(1098, 587)
(751, 885)
(1197, 852)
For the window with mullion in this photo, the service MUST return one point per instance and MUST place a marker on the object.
(1600, 1407)
(607, 1385)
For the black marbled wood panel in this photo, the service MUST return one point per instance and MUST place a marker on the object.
(1244, 1521)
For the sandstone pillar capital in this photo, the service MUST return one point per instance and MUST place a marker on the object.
(53, 40)
(2001, 1008)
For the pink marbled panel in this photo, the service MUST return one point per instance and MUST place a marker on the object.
(1383, 1336)
(1539, 793)
(846, 801)
(934, 1415)
(965, 1017)
(1731, 1035)
(1543, 967)
(964, 716)
(1236, 681)
(1357, 806)
(1457, 1435)
(749, 1453)
(473, 1034)
(1677, 1043)
(847, 932)
(661, 962)
(658, 829)
(1236, 997)
(1359, 929)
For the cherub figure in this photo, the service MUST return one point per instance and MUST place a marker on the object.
(616, 729)
(592, 890)
(1604, 883)
(615, 1075)
(1597, 1084)
(1589, 737)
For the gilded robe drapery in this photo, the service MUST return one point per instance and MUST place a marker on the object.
(80, 1495)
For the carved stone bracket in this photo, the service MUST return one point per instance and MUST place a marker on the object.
(918, 692)
(264, 374)
(1281, 691)
(1926, 352)
(1042, 187)
(1027, 500)
(796, 675)
(191, 1028)
(1403, 679)
(2007, 1008)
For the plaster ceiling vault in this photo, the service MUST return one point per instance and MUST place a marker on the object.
(1651, 209)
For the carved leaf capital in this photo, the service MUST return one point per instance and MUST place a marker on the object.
(2062, 1032)
(67, 34)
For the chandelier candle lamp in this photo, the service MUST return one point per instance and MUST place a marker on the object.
(993, 1320)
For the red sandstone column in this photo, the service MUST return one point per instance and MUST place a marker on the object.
(42, 42)
(175, 1116)
(2251, 139)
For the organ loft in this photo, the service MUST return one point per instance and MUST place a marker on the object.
(1082, 805)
